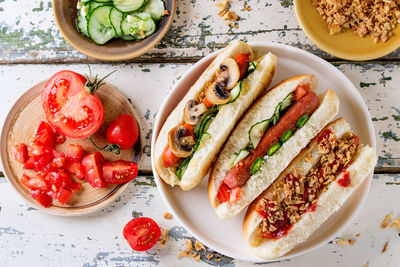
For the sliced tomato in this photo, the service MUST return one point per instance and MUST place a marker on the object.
(93, 167)
(235, 194)
(243, 61)
(119, 172)
(69, 108)
(142, 233)
(33, 182)
(44, 135)
(123, 131)
(223, 193)
(20, 152)
(300, 91)
(75, 168)
(207, 103)
(63, 195)
(75, 152)
(42, 197)
(169, 158)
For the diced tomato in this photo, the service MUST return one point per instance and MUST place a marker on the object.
(235, 194)
(189, 129)
(33, 182)
(60, 139)
(37, 150)
(58, 159)
(41, 160)
(119, 172)
(63, 195)
(75, 152)
(74, 187)
(75, 168)
(300, 91)
(207, 103)
(59, 178)
(44, 135)
(169, 158)
(223, 193)
(142, 233)
(43, 198)
(29, 164)
(243, 63)
(20, 152)
(93, 167)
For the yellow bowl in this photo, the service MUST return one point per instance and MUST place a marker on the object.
(345, 45)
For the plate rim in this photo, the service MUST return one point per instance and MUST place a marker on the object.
(117, 191)
(253, 258)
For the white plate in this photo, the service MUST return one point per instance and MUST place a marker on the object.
(192, 208)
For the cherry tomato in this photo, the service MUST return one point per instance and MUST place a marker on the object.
(123, 131)
(119, 172)
(243, 62)
(69, 108)
(223, 193)
(142, 233)
(75, 152)
(63, 195)
(33, 183)
(42, 197)
(75, 168)
(93, 167)
(20, 152)
(44, 135)
(169, 158)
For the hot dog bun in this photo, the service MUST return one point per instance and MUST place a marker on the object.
(253, 85)
(331, 200)
(264, 108)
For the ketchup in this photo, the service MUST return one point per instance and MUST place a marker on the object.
(324, 135)
(345, 181)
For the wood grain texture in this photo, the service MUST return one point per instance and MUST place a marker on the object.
(33, 37)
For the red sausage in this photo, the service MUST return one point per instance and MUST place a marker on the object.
(239, 174)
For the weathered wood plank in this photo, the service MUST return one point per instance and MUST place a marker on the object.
(197, 30)
(377, 84)
(30, 236)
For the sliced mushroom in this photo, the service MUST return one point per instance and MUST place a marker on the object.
(181, 145)
(216, 94)
(192, 111)
(228, 74)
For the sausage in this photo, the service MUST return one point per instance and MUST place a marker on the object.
(240, 173)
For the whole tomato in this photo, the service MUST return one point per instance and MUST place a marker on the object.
(123, 131)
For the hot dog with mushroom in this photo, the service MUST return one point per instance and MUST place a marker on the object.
(272, 132)
(196, 129)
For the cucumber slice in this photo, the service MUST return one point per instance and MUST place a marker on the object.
(203, 124)
(103, 1)
(232, 160)
(182, 168)
(252, 67)
(257, 131)
(242, 154)
(256, 165)
(93, 5)
(235, 92)
(128, 5)
(99, 25)
(146, 28)
(275, 117)
(82, 23)
(116, 18)
(129, 28)
(155, 8)
(287, 102)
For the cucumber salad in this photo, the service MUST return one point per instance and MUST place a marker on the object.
(103, 20)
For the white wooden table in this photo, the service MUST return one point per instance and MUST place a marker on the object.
(32, 49)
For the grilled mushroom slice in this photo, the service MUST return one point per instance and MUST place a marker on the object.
(217, 94)
(192, 111)
(228, 74)
(181, 145)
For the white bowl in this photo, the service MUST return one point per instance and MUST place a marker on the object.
(192, 208)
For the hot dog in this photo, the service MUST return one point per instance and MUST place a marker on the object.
(196, 129)
(308, 191)
(272, 132)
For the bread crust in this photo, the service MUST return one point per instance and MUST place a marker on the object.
(220, 128)
(264, 108)
(329, 201)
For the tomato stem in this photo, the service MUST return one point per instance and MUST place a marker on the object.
(93, 86)
(114, 148)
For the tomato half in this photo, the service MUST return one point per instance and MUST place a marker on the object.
(119, 172)
(169, 158)
(69, 108)
(243, 62)
(142, 233)
(123, 131)
(93, 167)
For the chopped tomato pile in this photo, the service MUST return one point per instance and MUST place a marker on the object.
(54, 170)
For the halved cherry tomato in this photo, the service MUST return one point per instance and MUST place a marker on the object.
(142, 233)
(300, 91)
(33, 183)
(235, 194)
(20, 152)
(223, 193)
(63, 195)
(75, 168)
(42, 197)
(123, 131)
(169, 158)
(207, 103)
(93, 167)
(119, 172)
(75, 152)
(44, 135)
(243, 62)
(69, 107)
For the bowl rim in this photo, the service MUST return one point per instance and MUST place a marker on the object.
(200, 236)
(71, 40)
